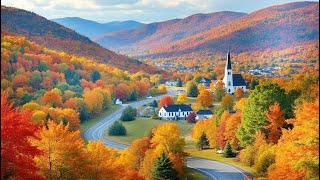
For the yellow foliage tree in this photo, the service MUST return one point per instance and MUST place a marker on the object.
(63, 156)
(182, 99)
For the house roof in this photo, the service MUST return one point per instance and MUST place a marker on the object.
(176, 107)
(204, 112)
(205, 80)
(238, 80)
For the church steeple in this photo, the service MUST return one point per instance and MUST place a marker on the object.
(228, 60)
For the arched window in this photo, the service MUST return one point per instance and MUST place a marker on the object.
(229, 84)
(228, 90)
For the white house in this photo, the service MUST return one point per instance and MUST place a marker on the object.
(175, 111)
(118, 101)
(232, 81)
(203, 114)
(171, 83)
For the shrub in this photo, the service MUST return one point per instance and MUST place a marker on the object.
(129, 114)
(117, 129)
(191, 118)
(247, 155)
(265, 157)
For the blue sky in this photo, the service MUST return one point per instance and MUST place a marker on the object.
(145, 11)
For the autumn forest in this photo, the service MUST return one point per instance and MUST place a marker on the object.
(73, 109)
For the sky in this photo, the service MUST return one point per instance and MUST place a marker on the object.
(145, 11)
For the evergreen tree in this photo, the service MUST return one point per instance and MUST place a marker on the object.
(95, 75)
(192, 91)
(133, 95)
(227, 152)
(179, 82)
(163, 169)
(203, 142)
(253, 84)
(154, 104)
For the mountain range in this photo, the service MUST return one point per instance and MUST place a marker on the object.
(57, 37)
(277, 27)
(161, 33)
(92, 29)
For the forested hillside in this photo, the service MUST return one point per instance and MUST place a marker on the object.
(279, 27)
(54, 36)
(140, 40)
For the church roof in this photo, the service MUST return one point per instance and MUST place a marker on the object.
(238, 80)
(176, 107)
(228, 61)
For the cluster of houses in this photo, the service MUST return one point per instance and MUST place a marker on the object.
(265, 71)
(181, 111)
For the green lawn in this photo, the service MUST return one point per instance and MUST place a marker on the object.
(137, 128)
(86, 125)
(192, 174)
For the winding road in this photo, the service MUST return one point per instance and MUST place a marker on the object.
(213, 170)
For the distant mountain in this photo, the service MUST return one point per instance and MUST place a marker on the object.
(57, 37)
(278, 26)
(157, 34)
(92, 29)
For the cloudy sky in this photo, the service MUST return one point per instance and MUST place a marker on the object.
(140, 10)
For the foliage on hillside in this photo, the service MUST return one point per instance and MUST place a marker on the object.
(54, 36)
(63, 87)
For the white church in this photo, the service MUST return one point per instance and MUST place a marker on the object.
(232, 81)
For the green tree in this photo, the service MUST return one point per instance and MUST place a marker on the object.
(43, 66)
(192, 91)
(129, 114)
(95, 75)
(163, 169)
(36, 79)
(256, 109)
(179, 82)
(117, 129)
(154, 104)
(202, 142)
(253, 84)
(133, 96)
(227, 152)
(219, 91)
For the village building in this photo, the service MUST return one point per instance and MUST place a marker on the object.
(232, 81)
(171, 83)
(203, 114)
(175, 111)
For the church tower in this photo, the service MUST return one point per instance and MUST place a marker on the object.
(228, 79)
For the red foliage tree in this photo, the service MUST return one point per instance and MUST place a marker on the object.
(17, 153)
(165, 101)
(191, 118)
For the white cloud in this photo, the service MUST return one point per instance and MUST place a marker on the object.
(140, 10)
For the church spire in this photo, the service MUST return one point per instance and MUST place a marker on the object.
(228, 60)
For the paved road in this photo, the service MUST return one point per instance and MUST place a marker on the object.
(213, 170)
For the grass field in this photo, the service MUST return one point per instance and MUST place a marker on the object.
(192, 174)
(86, 125)
(137, 128)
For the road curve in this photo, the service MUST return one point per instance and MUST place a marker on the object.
(213, 170)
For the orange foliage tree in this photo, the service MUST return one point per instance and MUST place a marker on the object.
(297, 154)
(52, 98)
(205, 98)
(276, 121)
(238, 93)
